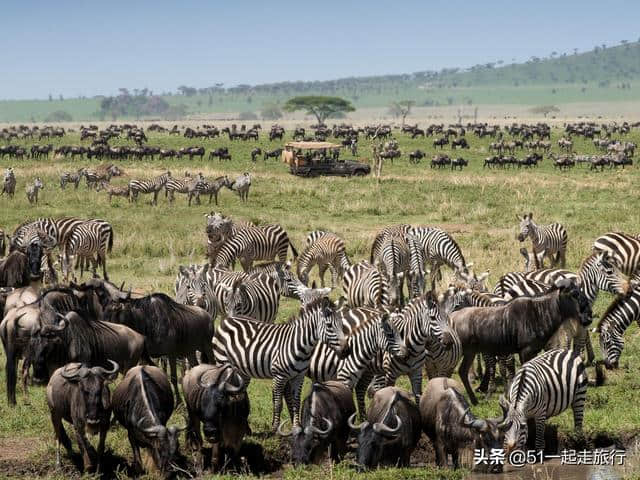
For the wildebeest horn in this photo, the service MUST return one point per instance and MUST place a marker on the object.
(155, 430)
(122, 286)
(80, 372)
(293, 431)
(104, 372)
(322, 433)
(61, 326)
(380, 427)
(353, 426)
(175, 428)
(228, 387)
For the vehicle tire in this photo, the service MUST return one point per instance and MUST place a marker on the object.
(359, 173)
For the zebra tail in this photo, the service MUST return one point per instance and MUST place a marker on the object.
(110, 244)
(293, 250)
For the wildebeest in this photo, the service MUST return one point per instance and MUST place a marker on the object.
(415, 157)
(449, 424)
(171, 329)
(275, 153)
(255, 152)
(82, 339)
(459, 163)
(19, 269)
(216, 396)
(79, 394)
(143, 403)
(325, 415)
(392, 429)
(523, 326)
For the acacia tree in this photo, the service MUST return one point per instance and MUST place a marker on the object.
(401, 108)
(319, 106)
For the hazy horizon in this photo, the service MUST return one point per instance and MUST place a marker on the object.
(91, 49)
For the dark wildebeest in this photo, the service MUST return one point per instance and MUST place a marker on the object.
(143, 403)
(325, 415)
(217, 397)
(272, 154)
(170, 328)
(522, 326)
(19, 268)
(19, 322)
(450, 425)
(254, 153)
(415, 157)
(459, 163)
(85, 340)
(392, 429)
(80, 395)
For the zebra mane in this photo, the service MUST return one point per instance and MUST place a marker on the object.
(315, 303)
(520, 387)
(614, 305)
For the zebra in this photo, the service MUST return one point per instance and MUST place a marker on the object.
(32, 190)
(255, 243)
(241, 186)
(153, 185)
(393, 262)
(281, 352)
(219, 230)
(363, 285)
(93, 177)
(543, 388)
(395, 230)
(113, 190)
(86, 240)
(620, 314)
(191, 288)
(190, 186)
(212, 188)
(416, 281)
(257, 297)
(327, 251)
(441, 249)
(72, 178)
(281, 272)
(314, 235)
(547, 240)
(624, 251)
(9, 184)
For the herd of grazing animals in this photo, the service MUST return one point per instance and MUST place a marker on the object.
(392, 319)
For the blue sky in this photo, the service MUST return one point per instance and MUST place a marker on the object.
(89, 47)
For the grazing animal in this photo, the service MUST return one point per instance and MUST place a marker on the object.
(113, 190)
(365, 286)
(450, 425)
(441, 249)
(255, 153)
(153, 185)
(9, 184)
(279, 351)
(189, 186)
(216, 397)
(324, 425)
(79, 394)
(391, 431)
(212, 188)
(394, 264)
(241, 186)
(543, 388)
(72, 178)
(524, 325)
(415, 157)
(624, 251)
(257, 297)
(326, 251)
(142, 403)
(620, 314)
(90, 241)
(416, 281)
(548, 240)
(32, 190)
(19, 269)
(391, 230)
(170, 329)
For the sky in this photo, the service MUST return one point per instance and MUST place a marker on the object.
(89, 48)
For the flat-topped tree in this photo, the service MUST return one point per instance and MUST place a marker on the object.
(320, 106)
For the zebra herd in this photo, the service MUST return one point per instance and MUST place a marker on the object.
(393, 317)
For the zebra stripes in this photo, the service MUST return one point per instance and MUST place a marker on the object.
(279, 351)
(221, 229)
(92, 237)
(212, 187)
(440, 249)
(395, 230)
(326, 251)
(417, 262)
(615, 321)
(543, 388)
(241, 186)
(624, 250)
(191, 288)
(547, 240)
(364, 286)
(189, 186)
(393, 262)
(72, 178)
(32, 190)
(153, 185)
(257, 297)
(9, 183)
(251, 244)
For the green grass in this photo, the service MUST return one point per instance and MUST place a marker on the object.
(477, 206)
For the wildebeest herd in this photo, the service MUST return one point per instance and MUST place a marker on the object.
(219, 333)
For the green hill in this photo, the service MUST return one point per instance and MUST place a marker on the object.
(603, 74)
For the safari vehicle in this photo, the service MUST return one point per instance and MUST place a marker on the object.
(311, 159)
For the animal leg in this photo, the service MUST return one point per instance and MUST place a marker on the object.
(137, 462)
(540, 422)
(174, 377)
(463, 371)
(279, 384)
(415, 377)
(101, 440)
(296, 389)
(361, 391)
(322, 268)
(61, 437)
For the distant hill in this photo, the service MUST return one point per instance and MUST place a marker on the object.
(603, 74)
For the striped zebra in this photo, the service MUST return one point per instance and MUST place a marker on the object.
(547, 241)
(427, 335)
(191, 288)
(441, 249)
(32, 190)
(327, 251)
(257, 297)
(89, 242)
(416, 281)
(395, 230)
(281, 351)
(364, 286)
(94, 177)
(9, 184)
(543, 388)
(281, 272)
(314, 235)
(620, 314)
(251, 244)
(153, 185)
(214, 186)
(393, 262)
(623, 249)
(71, 178)
(219, 230)
(190, 186)
(241, 186)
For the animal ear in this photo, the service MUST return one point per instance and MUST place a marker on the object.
(183, 270)
(106, 398)
(530, 216)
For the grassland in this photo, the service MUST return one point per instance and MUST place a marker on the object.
(477, 206)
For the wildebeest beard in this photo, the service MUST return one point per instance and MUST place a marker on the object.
(34, 257)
